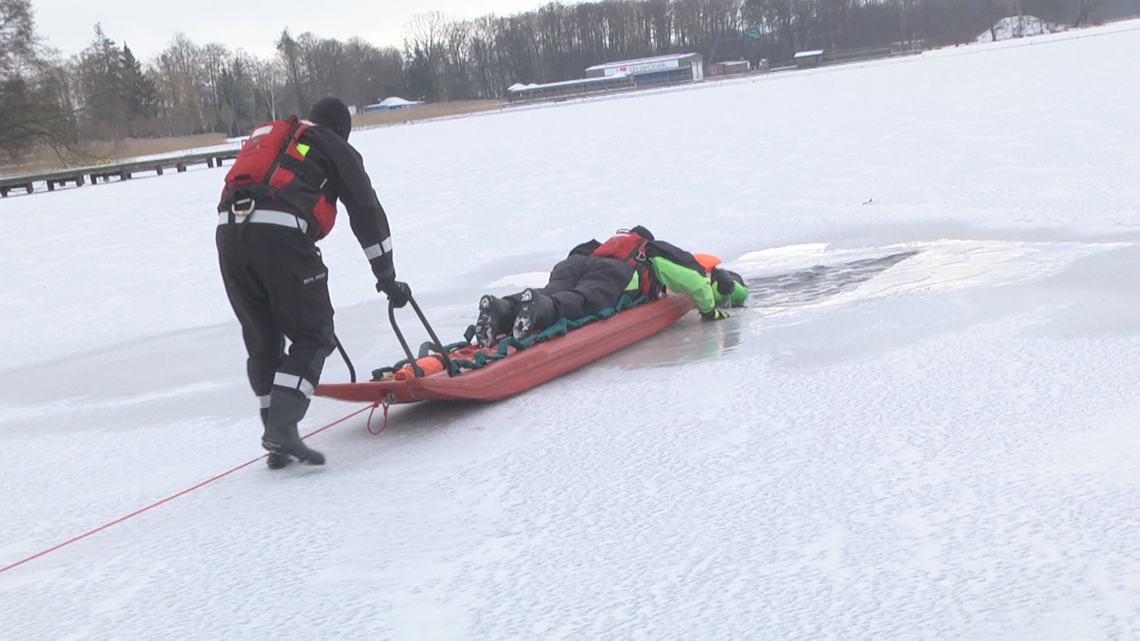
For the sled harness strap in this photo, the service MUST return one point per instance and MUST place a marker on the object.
(480, 359)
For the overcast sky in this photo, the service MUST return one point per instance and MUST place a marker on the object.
(148, 27)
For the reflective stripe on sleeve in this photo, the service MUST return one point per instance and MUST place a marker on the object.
(291, 381)
(379, 249)
(263, 401)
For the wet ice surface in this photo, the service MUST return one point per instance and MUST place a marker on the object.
(786, 291)
(817, 282)
(923, 424)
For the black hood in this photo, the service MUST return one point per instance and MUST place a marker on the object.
(332, 113)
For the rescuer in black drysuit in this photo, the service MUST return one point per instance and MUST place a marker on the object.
(279, 199)
(595, 276)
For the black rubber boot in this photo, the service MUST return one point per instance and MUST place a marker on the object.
(286, 408)
(285, 441)
(536, 313)
(274, 461)
(495, 318)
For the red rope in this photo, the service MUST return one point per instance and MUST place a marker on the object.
(171, 497)
(368, 425)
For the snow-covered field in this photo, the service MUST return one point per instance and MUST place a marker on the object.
(924, 425)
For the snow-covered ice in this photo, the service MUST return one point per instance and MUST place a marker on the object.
(923, 425)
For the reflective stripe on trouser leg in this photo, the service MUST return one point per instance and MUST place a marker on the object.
(286, 411)
(294, 382)
(263, 401)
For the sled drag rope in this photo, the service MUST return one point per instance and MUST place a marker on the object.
(174, 496)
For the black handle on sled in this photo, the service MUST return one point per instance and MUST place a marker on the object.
(344, 355)
(431, 332)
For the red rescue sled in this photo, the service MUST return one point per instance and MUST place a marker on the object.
(521, 369)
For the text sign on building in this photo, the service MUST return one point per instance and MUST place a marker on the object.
(646, 67)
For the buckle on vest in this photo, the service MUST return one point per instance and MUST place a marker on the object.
(243, 207)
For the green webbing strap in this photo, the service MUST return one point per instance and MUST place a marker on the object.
(481, 359)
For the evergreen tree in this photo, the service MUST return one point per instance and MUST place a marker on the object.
(103, 88)
(140, 95)
(290, 54)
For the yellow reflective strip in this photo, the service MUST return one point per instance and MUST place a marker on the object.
(302, 148)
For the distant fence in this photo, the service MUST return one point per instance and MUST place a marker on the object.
(124, 170)
(872, 53)
(571, 89)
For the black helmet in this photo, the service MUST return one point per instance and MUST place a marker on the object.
(332, 113)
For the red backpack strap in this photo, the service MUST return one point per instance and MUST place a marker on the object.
(638, 253)
(297, 127)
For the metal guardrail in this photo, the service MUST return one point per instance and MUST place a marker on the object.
(123, 170)
(872, 53)
(854, 55)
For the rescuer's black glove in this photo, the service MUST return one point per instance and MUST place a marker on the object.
(397, 290)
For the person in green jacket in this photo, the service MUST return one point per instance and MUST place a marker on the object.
(595, 276)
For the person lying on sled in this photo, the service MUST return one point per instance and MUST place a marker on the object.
(595, 275)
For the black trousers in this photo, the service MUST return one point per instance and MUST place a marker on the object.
(277, 284)
(583, 285)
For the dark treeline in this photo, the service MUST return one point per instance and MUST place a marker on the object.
(106, 93)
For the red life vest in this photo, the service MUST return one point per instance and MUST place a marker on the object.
(630, 247)
(271, 166)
